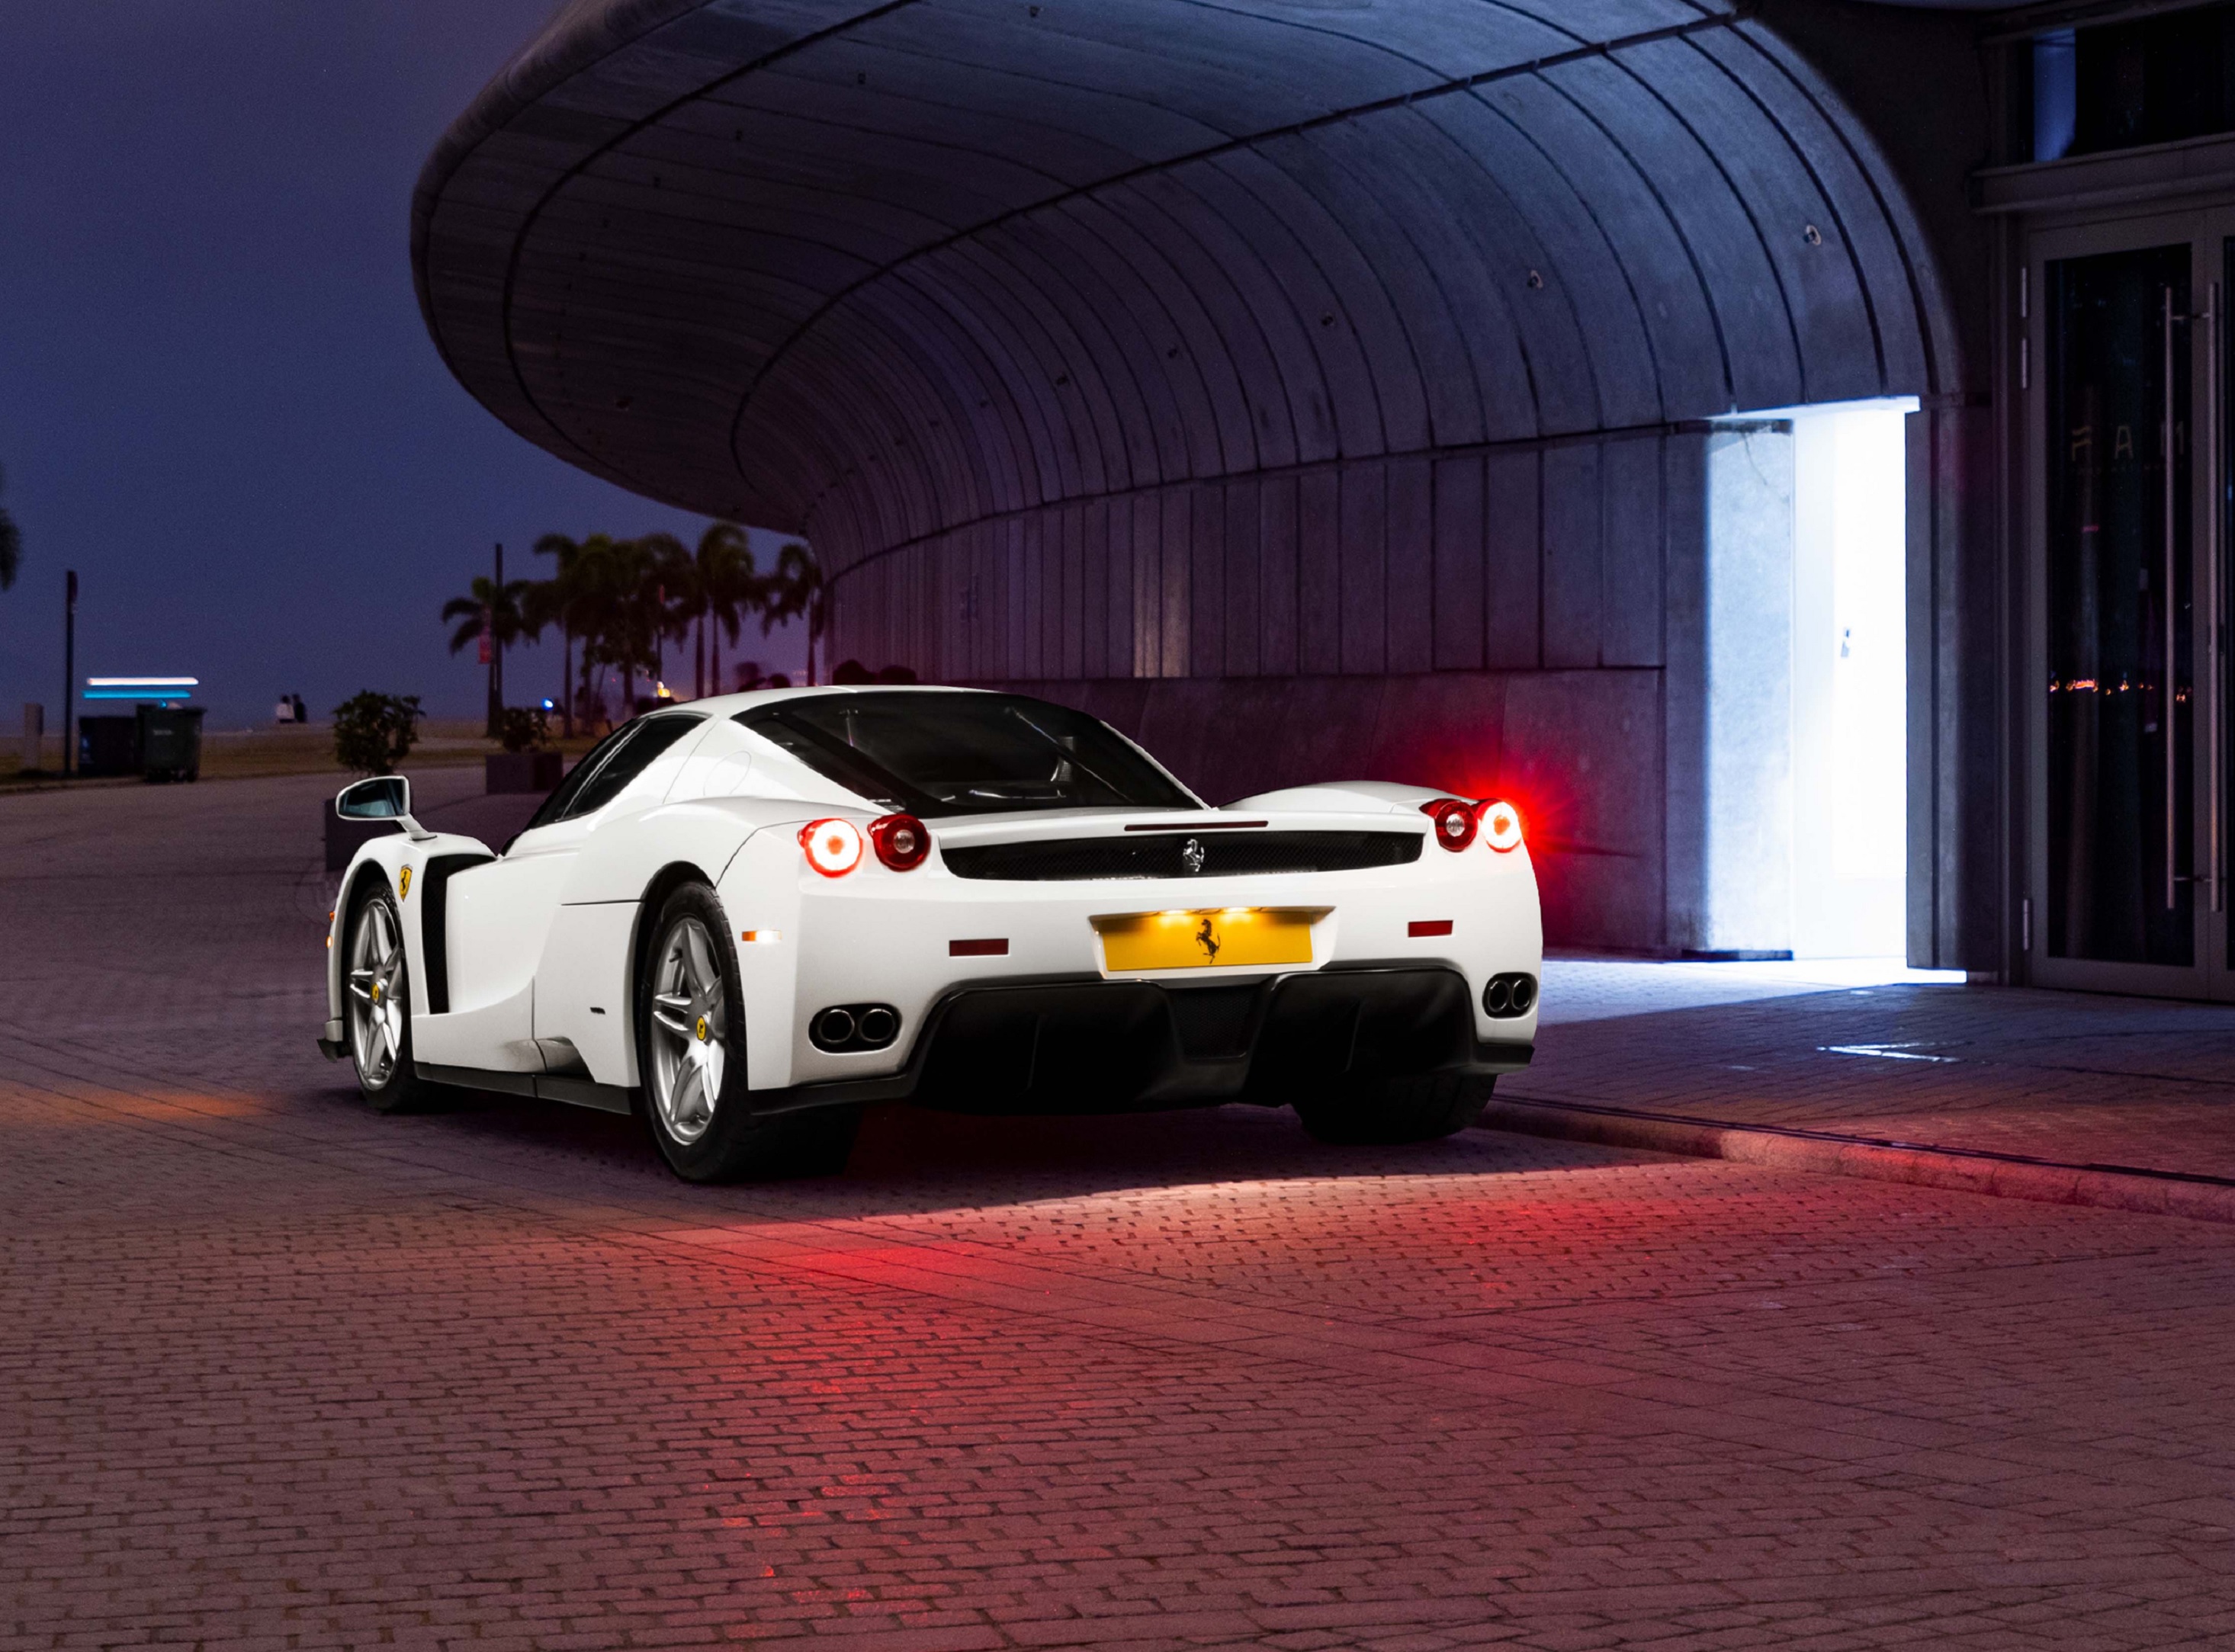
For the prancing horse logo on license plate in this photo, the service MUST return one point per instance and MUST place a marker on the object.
(1191, 855)
(1207, 938)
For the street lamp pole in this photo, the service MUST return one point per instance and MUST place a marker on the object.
(497, 637)
(70, 671)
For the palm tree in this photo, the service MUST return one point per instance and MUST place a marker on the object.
(723, 590)
(11, 549)
(590, 594)
(567, 600)
(500, 609)
(667, 595)
(795, 590)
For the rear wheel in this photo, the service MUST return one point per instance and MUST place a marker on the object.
(1385, 1111)
(690, 1049)
(377, 991)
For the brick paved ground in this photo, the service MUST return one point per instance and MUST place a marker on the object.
(2074, 1077)
(276, 1372)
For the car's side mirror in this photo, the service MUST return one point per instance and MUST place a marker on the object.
(384, 797)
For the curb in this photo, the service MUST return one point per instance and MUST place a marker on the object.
(1963, 1170)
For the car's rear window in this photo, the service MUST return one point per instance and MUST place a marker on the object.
(939, 754)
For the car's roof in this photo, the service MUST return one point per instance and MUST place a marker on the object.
(726, 705)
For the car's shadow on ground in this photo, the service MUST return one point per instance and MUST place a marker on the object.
(912, 1158)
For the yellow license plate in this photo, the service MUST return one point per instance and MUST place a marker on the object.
(1220, 937)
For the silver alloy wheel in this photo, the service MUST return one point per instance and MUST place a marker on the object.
(376, 995)
(688, 1024)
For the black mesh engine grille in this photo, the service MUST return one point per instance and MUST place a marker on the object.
(1225, 854)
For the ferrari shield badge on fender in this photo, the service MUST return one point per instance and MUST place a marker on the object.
(403, 885)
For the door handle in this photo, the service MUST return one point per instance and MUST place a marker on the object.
(2166, 692)
(2215, 882)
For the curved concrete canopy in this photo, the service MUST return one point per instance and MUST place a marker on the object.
(872, 272)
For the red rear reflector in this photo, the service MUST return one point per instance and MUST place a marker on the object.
(1420, 926)
(978, 949)
(901, 842)
(1455, 822)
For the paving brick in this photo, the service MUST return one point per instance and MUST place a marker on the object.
(279, 1372)
(2078, 1078)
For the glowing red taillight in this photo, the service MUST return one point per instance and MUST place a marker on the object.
(1454, 821)
(899, 840)
(832, 848)
(1501, 825)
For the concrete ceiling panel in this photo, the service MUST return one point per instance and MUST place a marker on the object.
(975, 289)
(1256, 428)
(1591, 303)
(1170, 320)
(1142, 129)
(888, 270)
(1114, 369)
(1334, 296)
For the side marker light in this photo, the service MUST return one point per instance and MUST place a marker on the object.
(1420, 926)
(1501, 825)
(1455, 822)
(833, 846)
(762, 936)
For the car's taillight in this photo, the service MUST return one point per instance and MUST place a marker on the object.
(901, 842)
(1454, 821)
(832, 848)
(1501, 825)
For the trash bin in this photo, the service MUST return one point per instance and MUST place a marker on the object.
(171, 742)
(108, 745)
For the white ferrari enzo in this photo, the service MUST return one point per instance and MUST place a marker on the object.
(747, 916)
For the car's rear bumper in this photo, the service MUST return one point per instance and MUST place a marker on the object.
(1089, 1045)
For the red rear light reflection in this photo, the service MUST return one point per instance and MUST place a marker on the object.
(1455, 821)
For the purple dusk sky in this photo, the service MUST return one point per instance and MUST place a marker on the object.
(216, 400)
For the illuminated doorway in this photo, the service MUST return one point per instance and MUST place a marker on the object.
(1850, 680)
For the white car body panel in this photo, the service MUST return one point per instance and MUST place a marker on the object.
(540, 943)
(582, 991)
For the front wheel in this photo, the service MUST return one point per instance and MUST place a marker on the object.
(1382, 1111)
(691, 1050)
(379, 997)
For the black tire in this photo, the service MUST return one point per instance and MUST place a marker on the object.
(397, 1087)
(1383, 1112)
(731, 1145)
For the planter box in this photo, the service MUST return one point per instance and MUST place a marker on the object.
(536, 772)
(342, 837)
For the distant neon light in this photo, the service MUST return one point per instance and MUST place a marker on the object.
(164, 689)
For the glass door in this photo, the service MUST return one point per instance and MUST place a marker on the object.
(2127, 694)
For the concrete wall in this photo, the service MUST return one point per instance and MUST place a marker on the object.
(1623, 678)
(1516, 557)
(1730, 723)
(1579, 751)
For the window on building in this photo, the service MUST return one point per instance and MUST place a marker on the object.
(2124, 85)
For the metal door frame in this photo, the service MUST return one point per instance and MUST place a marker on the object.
(2206, 231)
